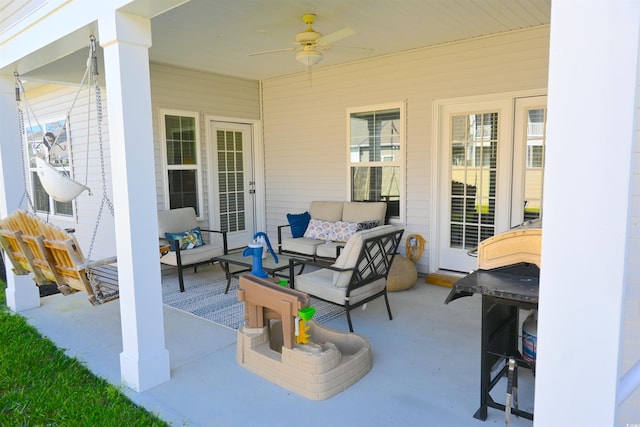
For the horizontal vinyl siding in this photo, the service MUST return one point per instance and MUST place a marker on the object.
(52, 102)
(305, 122)
(206, 94)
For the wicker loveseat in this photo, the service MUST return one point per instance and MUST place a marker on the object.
(328, 226)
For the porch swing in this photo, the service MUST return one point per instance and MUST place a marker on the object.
(48, 253)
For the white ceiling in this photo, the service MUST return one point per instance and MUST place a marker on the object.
(218, 35)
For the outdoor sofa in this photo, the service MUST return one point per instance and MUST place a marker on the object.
(323, 230)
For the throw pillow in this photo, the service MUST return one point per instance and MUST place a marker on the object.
(342, 231)
(188, 240)
(368, 225)
(318, 229)
(298, 223)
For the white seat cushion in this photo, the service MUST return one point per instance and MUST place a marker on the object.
(193, 256)
(319, 283)
(301, 245)
(328, 249)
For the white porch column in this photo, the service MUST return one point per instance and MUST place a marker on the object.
(22, 292)
(593, 77)
(126, 39)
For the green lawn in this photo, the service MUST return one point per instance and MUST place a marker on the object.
(40, 386)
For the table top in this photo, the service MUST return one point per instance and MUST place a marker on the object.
(268, 263)
(512, 284)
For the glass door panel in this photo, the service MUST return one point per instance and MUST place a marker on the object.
(529, 153)
(473, 147)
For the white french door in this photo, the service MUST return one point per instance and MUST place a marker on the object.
(474, 190)
(232, 182)
(490, 173)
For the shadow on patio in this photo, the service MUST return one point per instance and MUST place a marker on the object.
(426, 364)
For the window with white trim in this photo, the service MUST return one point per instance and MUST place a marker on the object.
(182, 160)
(376, 152)
(55, 135)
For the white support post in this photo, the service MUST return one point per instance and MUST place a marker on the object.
(126, 40)
(593, 88)
(22, 292)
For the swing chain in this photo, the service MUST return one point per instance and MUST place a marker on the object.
(105, 198)
(21, 139)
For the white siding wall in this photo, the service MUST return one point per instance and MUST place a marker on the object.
(305, 125)
(52, 102)
(206, 94)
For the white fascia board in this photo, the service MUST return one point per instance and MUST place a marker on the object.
(61, 27)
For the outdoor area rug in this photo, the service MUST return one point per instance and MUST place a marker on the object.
(208, 300)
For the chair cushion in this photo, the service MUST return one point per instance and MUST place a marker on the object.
(298, 223)
(327, 211)
(176, 221)
(328, 249)
(193, 256)
(349, 255)
(364, 211)
(188, 239)
(301, 245)
(319, 283)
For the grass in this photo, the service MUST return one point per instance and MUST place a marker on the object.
(41, 386)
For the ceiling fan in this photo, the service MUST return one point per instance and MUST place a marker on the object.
(310, 43)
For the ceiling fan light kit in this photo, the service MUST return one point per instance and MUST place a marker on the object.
(309, 57)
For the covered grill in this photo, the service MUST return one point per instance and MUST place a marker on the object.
(507, 278)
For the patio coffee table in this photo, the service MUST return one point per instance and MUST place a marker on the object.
(268, 265)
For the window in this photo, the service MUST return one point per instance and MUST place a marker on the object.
(376, 147)
(54, 134)
(182, 159)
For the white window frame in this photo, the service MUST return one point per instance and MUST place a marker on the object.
(199, 159)
(400, 158)
(32, 170)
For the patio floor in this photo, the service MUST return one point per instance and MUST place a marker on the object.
(426, 364)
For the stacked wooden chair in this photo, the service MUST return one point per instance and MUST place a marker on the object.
(52, 255)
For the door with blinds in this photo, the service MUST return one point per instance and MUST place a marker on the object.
(491, 169)
(232, 183)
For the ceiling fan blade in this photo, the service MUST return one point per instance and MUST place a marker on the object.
(273, 51)
(354, 49)
(336, 35)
